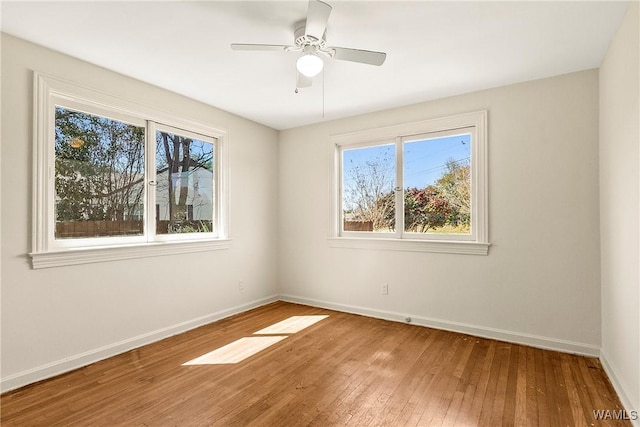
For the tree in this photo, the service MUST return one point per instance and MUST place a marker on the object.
(370, 196)
(424, 209)
(181, 156)
(99, 166)
(365, 190)
(455, 186)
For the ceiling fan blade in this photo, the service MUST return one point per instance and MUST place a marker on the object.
(241, 46)
(357, 55)
(303, 81)
(317, 18)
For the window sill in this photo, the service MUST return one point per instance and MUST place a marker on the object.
(447, 247)
(78, 256)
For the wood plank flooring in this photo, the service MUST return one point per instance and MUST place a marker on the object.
(341, 371)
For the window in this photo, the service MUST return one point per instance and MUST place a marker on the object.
(368, 183)
(417, 186)
(184, 182)
(116, 180)
(98, 177)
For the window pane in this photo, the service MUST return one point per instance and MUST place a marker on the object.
(437, 185)
(99, 176)
(185, 196)
(368, 182)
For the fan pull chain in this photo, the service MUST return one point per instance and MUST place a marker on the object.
(323, 94)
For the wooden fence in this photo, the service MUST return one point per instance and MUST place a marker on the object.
(79, 229)
(358, 226)
(71, 229)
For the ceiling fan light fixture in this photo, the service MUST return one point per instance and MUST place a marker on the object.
(309, 64)
(310, 40)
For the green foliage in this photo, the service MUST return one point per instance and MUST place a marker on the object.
(187, 226)
(101, 179)
(455, 185)
(424, 209)
(444, 206)
(100, 176)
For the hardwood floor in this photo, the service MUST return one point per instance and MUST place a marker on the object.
(342, 370)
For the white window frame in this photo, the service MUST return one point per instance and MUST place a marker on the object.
(151, 197)
(50, 92)
(476, 243)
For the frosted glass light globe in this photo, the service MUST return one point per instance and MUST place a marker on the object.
(309, 64)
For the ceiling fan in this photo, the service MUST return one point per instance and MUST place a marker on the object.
(310, 39)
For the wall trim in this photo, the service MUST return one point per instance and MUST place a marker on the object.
(546, 343)
(70, 363)
(76, 361)
(617, 386)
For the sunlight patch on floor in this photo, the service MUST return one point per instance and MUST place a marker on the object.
(236, 351)
(291, 325)
(246, 347)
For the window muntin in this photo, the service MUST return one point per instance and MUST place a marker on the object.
(99, 176)
(185, 183)
(460, 172)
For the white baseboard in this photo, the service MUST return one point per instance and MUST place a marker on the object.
(627, 403)
(79, 360)
(479, 331)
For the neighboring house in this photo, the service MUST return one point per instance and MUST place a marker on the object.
(199, 183)
(129, 212)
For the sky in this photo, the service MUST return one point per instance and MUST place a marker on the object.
(424, 159)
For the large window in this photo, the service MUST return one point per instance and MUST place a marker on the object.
(115, 180)
(422, 184)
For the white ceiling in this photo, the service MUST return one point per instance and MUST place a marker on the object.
(434, 48)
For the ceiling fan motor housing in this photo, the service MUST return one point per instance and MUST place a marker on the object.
(302, 40)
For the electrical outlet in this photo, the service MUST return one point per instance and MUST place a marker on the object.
(385, 289)
(241, 286)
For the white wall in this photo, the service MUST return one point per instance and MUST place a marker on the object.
(620, 210)
(54, 319)
(540, 282)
